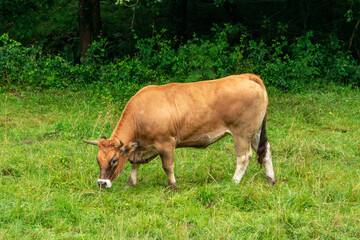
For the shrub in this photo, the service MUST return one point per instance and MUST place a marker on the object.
(26, 66)
(287, 65)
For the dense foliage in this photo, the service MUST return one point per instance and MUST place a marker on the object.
(290, 44)
(54, 24)
(289, 66)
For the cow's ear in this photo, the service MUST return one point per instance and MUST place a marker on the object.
(131, 147)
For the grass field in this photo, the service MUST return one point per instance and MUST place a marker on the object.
(48, 175)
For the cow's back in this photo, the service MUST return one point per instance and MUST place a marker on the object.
(189, 111)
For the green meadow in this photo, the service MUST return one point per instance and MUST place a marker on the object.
(48, 175)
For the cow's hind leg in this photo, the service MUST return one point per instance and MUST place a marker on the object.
(269, 170)
(243, 156)
(133, 174)
(267, 160)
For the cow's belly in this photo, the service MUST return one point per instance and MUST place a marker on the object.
(204, 139)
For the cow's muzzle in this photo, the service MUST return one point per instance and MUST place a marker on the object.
(106, 183)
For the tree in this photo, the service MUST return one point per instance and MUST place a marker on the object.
(89, 23)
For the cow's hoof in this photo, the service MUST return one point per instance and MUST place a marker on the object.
(236, 180)
(173, 187)
(271, 180)
(130, 184)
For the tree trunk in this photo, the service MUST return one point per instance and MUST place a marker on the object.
(89, 23)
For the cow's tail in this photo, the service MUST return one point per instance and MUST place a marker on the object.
(262, 147)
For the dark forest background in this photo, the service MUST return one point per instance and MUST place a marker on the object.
(291, 44)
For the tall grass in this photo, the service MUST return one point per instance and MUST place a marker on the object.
(48, 176)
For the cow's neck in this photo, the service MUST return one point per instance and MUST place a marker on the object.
(123, 131)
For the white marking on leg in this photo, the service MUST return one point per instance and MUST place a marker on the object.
(170, 174)
(241, 165)
(171, 178)
(269, 170)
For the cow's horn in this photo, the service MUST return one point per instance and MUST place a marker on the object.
(91, 142)
(120, 144)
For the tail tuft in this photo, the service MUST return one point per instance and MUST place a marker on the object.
(261, 150)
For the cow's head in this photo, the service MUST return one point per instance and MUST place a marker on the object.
(112, 157)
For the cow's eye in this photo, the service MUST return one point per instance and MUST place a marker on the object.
(114, 160)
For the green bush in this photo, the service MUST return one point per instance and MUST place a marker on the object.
(291, 66)
(27, 66)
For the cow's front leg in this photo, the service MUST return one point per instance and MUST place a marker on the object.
(167, 158)
(133, 174)
(168, 166)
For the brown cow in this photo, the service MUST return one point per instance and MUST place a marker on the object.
(159, 119)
